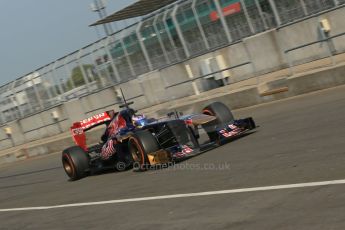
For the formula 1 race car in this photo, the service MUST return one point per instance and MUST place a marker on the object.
(134, 141)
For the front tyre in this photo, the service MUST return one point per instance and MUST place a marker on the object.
(75, 162)
(140, 145)
(223, 116)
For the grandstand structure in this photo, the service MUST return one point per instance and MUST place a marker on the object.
(169, 32)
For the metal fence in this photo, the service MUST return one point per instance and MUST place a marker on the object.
(170, 35)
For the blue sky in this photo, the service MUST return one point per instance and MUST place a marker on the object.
(37, 32)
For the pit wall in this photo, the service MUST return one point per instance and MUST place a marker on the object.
(264, 51)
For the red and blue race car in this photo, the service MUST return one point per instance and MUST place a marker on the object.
(131, 140)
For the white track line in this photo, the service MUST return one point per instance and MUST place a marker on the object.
(197, 194)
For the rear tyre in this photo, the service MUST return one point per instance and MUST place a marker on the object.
(223, 115)
(140, 144)
(75, 162)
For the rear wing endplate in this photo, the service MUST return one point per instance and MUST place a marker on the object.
(78, 128)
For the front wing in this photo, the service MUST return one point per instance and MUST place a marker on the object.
(225, 134)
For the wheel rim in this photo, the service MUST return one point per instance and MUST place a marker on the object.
(136, 154)
(67, 165)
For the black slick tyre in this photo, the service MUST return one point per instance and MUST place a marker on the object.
(75, 162)
(140, 144)
(223, 116)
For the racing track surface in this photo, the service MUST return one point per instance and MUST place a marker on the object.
(300, 140)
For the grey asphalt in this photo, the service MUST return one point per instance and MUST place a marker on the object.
(300, 140)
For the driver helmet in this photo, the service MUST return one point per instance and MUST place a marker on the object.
(139, 120)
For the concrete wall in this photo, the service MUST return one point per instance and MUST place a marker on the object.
(98, 100)
(153, 87)
(173, 75)
(265, 51)
(18, 136)
(318, 80)
(29, 124)
(337, 19)
(195, 66)
(74, 110)
(236, 55)
(302, 33)
(40, 125)
(133, 91)
(5, 142)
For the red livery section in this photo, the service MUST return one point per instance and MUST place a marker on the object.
(94, 120)
(78, 128)
(228, 10)
(79, 136)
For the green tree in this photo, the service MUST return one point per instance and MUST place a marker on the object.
(77, 76)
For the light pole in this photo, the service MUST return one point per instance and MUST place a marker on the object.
(99, 6)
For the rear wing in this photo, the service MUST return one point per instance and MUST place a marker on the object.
(79, 128)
